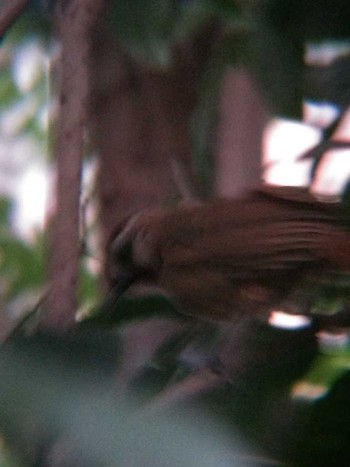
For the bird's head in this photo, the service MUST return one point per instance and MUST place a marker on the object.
(186, 253)
(229, 257)
(134, 254)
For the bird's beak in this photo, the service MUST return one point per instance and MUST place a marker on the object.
(120, 284)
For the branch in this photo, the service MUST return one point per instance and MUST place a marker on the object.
(10, 10)
(75, 21)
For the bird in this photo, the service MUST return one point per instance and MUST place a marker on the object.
(226, 258)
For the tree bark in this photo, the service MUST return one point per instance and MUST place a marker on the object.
(139, 120)
(242, 119)
(74, 21)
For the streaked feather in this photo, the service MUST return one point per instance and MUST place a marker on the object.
(236, 256)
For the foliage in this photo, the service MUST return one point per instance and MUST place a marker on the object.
(24, 88)
(149, 30)
(66, 385)
(21, 265)
(26, 113)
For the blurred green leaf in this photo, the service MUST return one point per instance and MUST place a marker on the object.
(8, 91)
(328, 367)
(88, 289)
(149, 29)
(144, 27)
(36, 20)
(6, 206)
(20, 264)
(6, 457)
(130, 309)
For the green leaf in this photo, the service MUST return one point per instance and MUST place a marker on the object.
(328, 367)
(144, 27)
(8, 91)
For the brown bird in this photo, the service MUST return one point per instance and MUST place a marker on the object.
(226, 258)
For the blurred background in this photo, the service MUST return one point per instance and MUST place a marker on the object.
(187, 100)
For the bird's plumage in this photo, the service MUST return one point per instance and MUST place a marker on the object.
(227, 257)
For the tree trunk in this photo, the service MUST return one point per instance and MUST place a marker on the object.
(74, 22)
(242, 120)
(140, 128)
